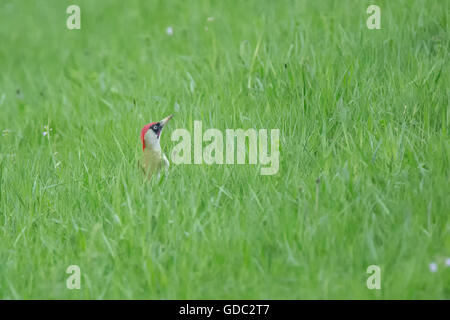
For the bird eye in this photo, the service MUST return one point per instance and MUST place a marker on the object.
(155, 127)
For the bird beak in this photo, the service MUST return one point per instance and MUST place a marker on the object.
(164, 121)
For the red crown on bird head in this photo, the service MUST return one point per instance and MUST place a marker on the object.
(144, 131)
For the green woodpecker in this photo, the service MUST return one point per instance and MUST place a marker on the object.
(153, 160)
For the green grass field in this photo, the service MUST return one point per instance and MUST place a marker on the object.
(364, 111)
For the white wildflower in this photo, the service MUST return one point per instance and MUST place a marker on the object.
(47, 130)
(433, 266)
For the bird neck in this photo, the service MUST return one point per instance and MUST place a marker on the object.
(153, 148)
(152, 143)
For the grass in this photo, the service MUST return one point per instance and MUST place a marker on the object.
(364, 111)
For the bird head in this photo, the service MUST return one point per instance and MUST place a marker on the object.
(151, 133)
